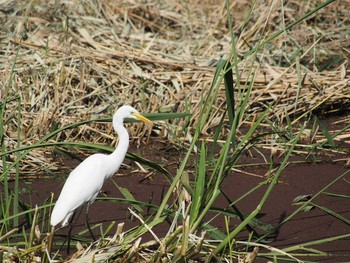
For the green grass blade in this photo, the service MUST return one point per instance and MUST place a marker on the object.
(229, 89)
(326, 133)
(332, 213)
(128, 196)
(154, 116)
(199, 194)
(95, 147)
(316, 242)
(16, 188)
(337, 195)
(230, 99)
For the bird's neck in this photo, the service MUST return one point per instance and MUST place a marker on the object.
(123, 143)
(117, 157)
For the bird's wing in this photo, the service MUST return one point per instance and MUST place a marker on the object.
(82, 185)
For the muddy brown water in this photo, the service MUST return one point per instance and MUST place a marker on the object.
(296, 180)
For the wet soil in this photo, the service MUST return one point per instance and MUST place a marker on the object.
(297, 179)
(303, 176)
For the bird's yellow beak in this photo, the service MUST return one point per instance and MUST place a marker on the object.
(142, 118)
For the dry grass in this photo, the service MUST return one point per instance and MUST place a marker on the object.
(66, 61)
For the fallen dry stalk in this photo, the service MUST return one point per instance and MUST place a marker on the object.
(77, 60)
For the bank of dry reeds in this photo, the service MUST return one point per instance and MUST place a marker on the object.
(66, 61)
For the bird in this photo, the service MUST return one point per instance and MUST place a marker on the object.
(86, 180)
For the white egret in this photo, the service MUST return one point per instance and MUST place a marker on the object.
(86, 180)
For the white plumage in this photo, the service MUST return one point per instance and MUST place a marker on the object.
(86, 180)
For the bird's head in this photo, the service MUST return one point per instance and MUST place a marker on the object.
(127, 111)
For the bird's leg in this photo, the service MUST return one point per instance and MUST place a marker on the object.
(87, 221)
(70, 228)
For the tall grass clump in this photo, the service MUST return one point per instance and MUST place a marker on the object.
(225, 120)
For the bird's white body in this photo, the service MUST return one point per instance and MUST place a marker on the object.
(86, 180)
(82, 186)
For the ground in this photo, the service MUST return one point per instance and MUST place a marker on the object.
(66, 66)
